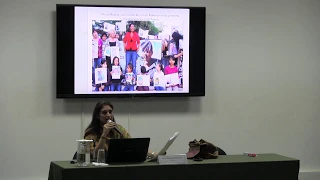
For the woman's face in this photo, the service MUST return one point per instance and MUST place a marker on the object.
(104, 37)
(104, 65)
(95, 34)
(158, 67)
(129, 69)
(112, 34)
(106, 114)
(132, 28)
(148, 55)
(171, 61)
(116, 61)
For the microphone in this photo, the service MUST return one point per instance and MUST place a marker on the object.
(115, 128)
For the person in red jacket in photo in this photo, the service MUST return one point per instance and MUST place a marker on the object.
(131, 44)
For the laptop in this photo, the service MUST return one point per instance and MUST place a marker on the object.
(131, 150)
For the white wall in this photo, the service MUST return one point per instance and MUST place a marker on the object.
(262, 87)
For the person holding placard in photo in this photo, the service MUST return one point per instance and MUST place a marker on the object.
(116, 79)
(173, 46)
(96, 49)
(171, 73)
(165, 52)
(96, 53)
(104, 45)
(130, 79)
(159, 80)
(105, 86)
(143, 80)
(111, 42)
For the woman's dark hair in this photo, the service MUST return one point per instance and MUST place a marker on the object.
(103, 61)
(143, 69)
(176, 37)
(146, 46)
(116, 57)
(173, 58)
(129, 27)
(161, 66)
(104, 34)
(94, 30)
(130, 66)
(94, 126)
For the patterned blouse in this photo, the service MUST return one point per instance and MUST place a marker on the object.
(112, 135)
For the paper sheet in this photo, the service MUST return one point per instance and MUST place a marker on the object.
(99, 164)
(116, 72)
(143, 80)
(172, 79)
(114, 51)
(101, 75)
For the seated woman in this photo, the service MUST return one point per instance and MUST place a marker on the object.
(101, 131)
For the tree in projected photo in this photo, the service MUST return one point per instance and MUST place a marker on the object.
(101, 26)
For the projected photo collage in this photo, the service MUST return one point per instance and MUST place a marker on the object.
(136, 56)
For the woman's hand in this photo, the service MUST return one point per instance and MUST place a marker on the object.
(152, 154)
(107, 128)
(111, 73)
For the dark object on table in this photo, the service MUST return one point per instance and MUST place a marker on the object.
(131, 150)
(198, 158)
(221, 152)
(202, 149)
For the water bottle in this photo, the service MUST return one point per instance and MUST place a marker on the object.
(83, 152)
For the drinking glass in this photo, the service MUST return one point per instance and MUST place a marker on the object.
(101, 156)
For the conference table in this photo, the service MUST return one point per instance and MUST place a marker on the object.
(261, 167)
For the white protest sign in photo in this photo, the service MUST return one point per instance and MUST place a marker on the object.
(108, 27)
(129, 78)
(122, 55)
(143, 33)
(114, 51)
(121, 26)
(159, 80)
(143, 80)
(100, 75)
(172, 48)
(116, 72)
(173, 79)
